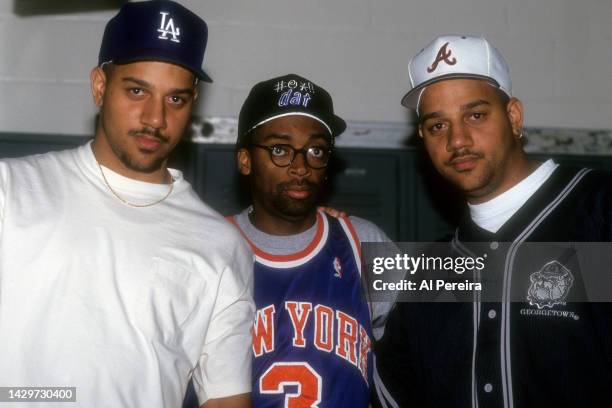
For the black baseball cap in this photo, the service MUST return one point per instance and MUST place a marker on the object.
(160, 30)
(283, 96)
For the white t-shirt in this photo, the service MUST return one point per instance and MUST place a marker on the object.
(122, 303)
(491, 215)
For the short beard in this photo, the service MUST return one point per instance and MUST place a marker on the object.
(294, 208)
(129, 162)
(482, 186)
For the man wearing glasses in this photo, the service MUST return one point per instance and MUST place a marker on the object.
(312, 335)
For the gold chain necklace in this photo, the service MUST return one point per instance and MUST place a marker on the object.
(124, 201)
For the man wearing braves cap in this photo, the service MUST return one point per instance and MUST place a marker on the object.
(529, 338)
(312, 326)
(115, 278)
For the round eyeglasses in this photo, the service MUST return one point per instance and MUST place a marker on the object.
(282, 155)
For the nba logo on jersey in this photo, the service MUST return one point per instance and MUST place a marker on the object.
(337, 268)
(167, 27)
(311, 335)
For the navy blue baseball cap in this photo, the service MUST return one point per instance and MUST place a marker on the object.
(160, 30)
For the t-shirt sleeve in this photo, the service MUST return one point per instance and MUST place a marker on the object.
(369, 232)
(224, 368)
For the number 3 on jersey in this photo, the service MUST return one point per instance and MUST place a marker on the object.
(280, 375)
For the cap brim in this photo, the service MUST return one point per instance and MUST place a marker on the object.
(411, 99)
(334, 124)
(159, 56)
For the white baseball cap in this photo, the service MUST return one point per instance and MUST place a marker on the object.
(456, 56)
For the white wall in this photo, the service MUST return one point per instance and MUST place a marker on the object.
(559, 51)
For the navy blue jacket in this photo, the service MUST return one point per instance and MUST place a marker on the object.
(526, 350)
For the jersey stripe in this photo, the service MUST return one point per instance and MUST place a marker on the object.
(460, 248)
(505, 355)
(383, 393)
(505, 346)
(296, 259)
(353, 238)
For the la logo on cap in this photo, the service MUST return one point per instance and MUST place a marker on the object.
(444, 55)
(167, 27)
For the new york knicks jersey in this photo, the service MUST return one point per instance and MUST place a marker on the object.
(311, 336)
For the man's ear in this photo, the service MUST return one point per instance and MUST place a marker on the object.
(515, 115)
(243, 160)
(196, 92)
(98, 85)
(420, 131)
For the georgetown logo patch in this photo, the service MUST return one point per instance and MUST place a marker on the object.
(550, 285)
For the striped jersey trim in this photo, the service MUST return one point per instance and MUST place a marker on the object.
(384, 396)
(505, 354)
(296, 259)
(353, 238)
(505, 329)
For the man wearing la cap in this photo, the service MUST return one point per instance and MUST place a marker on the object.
(527, 348)
(312, 328)
(115, 278)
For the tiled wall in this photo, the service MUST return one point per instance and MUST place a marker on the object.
(559, 53)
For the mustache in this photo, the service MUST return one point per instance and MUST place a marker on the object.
(463, 152)
(297, 183)
(156, 133)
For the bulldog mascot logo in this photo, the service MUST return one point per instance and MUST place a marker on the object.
(550, 285)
